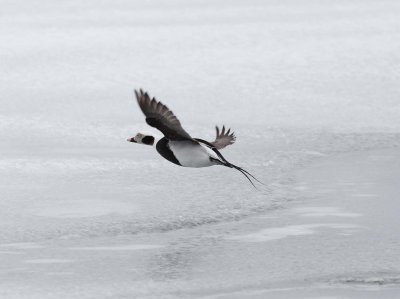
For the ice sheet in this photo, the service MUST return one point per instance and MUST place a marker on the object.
(298, 82)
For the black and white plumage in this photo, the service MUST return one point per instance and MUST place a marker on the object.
(159, 116)
(177, 146)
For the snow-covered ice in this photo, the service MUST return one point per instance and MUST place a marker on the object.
(310, 89)
(317, 245)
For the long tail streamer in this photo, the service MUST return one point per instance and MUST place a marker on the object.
(245, 173)
(224, 162)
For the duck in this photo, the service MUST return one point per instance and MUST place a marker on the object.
(177, 146)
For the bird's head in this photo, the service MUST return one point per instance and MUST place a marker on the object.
(142, 139)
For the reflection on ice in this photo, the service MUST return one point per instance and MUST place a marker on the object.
(364, 195)
(83, 208)
(48, 261)
(119, 248)
(324, 212)
(277, 233)
(10, 252)
(26, 245)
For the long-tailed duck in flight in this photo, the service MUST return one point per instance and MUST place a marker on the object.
(177, 146)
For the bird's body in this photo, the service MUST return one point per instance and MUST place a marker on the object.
(192, 154)
(177, 146)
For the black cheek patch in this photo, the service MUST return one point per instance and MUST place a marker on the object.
(148, 140)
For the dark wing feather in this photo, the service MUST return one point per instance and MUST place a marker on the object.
(223, 138)
(159, 116)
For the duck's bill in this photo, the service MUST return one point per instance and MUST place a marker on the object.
(131, 140)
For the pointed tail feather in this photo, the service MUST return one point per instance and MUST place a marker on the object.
(247, 177)
(246, 174)
(243, 171)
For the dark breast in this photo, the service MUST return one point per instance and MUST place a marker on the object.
(164, 150)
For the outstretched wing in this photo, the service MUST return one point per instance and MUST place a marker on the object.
(223, 138)
(159, 116)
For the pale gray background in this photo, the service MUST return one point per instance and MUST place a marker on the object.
(311, 89)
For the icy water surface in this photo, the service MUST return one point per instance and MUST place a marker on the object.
(127, 189)
(300, 82)
(337, 237)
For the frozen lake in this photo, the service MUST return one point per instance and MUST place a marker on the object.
(337, 237)
(310, 89)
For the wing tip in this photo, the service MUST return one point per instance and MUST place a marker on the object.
(225, 132)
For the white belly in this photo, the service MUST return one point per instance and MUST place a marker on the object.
(190, 154)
